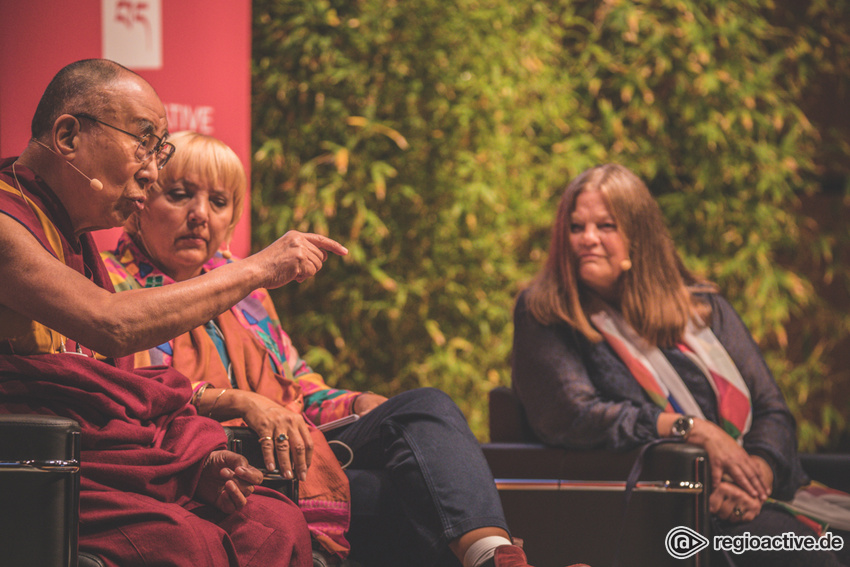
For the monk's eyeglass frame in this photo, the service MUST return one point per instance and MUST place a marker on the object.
(149, 144)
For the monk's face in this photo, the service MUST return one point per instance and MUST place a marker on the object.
(111, 156)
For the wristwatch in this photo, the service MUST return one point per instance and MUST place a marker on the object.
(682, 427)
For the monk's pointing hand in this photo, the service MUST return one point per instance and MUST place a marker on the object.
(298, 256)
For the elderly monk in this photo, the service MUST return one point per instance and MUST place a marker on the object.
(151, 468)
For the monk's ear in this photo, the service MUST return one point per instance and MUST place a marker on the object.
(66, 135)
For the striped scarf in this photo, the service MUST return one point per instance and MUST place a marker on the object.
(663, 384)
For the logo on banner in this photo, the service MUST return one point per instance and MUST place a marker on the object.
(187, 117)
(132, 32)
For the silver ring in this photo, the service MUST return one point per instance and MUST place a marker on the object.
(737, 512)
(264, 438)
(282, 437)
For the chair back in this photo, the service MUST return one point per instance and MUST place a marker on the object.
(508, 423)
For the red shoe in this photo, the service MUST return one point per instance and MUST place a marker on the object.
(513, 556)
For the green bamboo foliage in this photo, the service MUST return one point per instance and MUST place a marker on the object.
(434, 139)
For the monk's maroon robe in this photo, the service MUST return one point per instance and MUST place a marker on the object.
(143, 444)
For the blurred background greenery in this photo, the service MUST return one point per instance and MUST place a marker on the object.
(434, 139)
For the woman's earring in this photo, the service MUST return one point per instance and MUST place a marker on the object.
(227, 253)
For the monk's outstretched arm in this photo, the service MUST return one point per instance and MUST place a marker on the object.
(37, 285)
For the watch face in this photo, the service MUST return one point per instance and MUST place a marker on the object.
(682, 426)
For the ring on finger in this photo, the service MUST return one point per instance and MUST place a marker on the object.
(737, 512)
(264, 438)
(282, 437)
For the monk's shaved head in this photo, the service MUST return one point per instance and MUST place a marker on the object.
(77, 88)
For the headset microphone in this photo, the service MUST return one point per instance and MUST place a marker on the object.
(95, 184)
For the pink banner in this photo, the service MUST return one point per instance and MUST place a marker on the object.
(196, 54)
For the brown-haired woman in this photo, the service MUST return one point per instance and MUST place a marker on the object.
(617, 344)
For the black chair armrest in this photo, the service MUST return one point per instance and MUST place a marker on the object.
(831, 469)
(674, 462)
(34, 437)
(244, 441)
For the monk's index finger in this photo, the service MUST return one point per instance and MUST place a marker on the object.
(326, 243)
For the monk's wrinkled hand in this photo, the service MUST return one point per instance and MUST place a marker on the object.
(226, 481)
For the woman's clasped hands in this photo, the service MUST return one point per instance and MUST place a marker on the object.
(742, 482)
(729, 502)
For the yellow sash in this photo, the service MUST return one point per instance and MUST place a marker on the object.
(25, 335)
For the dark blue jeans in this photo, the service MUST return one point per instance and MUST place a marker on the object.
(418, 481)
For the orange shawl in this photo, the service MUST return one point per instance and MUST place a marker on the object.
(324, 497)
